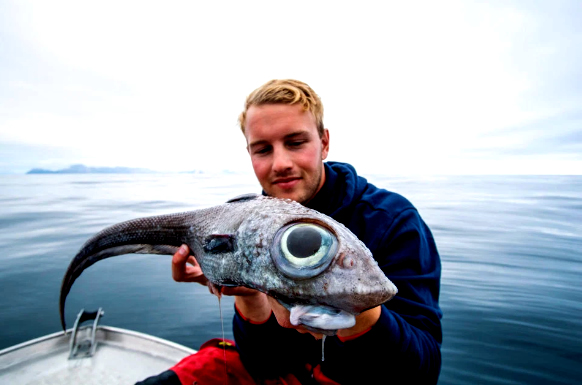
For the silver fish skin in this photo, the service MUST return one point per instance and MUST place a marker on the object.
(235, 244)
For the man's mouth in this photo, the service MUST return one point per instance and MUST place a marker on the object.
(286, 183)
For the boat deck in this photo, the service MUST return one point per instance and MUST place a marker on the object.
(121, 357)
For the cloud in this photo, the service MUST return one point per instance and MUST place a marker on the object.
(559, 134)
(423, 87)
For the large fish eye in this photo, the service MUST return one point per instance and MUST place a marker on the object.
(303, 250)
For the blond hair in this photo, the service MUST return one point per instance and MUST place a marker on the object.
(285, 91)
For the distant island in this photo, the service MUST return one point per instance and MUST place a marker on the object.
(82, 169)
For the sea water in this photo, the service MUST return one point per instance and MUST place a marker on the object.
(510, 246)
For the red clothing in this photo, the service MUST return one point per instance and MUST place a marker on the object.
(207, 367)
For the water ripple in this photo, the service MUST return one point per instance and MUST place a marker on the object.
(510, 249)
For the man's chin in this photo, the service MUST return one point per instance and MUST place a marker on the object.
(278, 191)
(287, 195)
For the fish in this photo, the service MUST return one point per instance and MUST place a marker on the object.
(310, 263)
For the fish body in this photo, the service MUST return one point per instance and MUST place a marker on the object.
(279, 247)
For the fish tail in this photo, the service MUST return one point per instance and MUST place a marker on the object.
(152, 235)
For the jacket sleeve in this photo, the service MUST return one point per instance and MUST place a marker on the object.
(405, 342)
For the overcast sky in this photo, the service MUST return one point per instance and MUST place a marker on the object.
(415, 87)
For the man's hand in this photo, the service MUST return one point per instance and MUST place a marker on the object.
(364, 321)
(251, 303)
(185, 268)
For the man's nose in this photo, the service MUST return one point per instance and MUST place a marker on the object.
(281, 160)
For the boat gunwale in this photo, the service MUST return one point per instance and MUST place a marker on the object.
(58, 343)
(110, 329)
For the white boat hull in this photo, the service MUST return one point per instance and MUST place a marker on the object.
(121, 357)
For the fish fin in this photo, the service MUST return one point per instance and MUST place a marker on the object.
(220, 243)
(243, 198)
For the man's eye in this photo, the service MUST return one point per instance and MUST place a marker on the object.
(296, 143)
(262, 150)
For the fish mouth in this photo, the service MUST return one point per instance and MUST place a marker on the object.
(319, 319)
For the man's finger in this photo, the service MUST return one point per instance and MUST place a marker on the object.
(179, 260)
(214, 289)
(238, 290)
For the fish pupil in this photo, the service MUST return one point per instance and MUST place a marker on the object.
(303, 242)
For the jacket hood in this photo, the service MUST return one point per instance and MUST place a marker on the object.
(342, 187)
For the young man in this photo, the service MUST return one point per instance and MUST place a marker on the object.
(398, 341)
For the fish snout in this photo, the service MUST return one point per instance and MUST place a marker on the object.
(359, 284)
(374, 292)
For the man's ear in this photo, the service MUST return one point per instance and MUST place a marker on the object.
(324, 144)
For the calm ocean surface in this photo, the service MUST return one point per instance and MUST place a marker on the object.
(510, 248)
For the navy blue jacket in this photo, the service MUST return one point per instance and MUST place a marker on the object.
(404, 345)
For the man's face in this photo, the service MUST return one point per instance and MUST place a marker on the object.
(286, 151)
